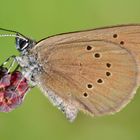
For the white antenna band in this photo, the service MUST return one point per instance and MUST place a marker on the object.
(11, 35)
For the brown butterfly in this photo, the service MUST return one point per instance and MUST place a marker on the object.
(94, 71)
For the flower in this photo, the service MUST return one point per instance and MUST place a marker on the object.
(13, 88)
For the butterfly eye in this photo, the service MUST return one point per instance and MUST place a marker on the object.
(21, 44)
(24, 44)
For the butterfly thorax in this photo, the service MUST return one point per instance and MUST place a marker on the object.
(30, 66)
(28, 59)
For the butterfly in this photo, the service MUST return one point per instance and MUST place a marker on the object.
(94, 71)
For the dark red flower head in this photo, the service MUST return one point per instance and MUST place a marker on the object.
(13, 88)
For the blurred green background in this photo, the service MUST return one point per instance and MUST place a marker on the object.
(37, 119)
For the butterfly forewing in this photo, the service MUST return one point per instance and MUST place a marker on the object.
(127, 36)
(92, 73)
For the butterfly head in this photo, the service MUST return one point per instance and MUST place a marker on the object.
(24, 44)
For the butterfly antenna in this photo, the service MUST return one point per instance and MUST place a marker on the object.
(19, 35)
(11, 35)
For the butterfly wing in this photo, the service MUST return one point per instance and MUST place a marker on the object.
(127, 36)
(89, 73)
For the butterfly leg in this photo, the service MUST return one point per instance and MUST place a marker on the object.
(13, 58)
(27, 70)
